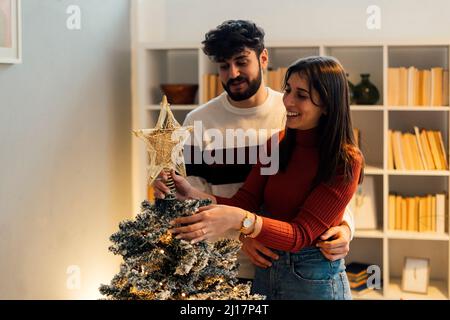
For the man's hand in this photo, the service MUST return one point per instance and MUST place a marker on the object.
(335, 242)
(253, 249)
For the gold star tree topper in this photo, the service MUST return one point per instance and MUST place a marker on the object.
(165, 143)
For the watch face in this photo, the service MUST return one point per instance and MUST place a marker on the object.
(247, 223)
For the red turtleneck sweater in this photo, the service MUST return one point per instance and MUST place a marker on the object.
(298, 216)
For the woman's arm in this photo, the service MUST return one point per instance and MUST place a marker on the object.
(251, 195)
(322, 209)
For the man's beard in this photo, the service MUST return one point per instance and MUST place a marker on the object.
(253, 87)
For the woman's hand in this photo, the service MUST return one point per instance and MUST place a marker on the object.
(184, 189)
(208, 222)
(253, 249)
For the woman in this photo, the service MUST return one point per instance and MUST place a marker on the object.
(320, 168)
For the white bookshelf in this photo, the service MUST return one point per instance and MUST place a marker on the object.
(158, 63)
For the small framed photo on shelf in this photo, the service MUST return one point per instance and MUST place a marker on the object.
(10, 32)
(416, 275)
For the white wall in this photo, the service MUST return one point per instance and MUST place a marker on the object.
(297, 20)
(64, 149)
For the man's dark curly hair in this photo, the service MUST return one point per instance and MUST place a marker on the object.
(231, 37)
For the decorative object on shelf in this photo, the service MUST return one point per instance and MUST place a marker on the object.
(366, 92)
(351, 89)
(180, 93)
(165, 144)
(10, 32)
(363, 205)
(416, 275)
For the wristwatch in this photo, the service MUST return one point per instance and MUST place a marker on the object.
(247, 224)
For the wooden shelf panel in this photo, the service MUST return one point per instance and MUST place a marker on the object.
(373, 170)
(418, 108)
(393, 234)
(370, 295)
(438, 173)
(376, 234)
(366, 108)
(175, 107)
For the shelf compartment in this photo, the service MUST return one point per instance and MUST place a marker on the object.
(283, 57)
(169, 66)
(438, 254)
(357, 60)
(367, 204)
(436, 291)
(405, 121)
(421, 57)
(370, 125)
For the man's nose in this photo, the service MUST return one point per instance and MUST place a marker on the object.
(234, 72)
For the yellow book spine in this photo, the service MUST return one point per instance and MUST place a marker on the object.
(442, 151)
(427, 150)
(434, 150)
(390, 151)
(391, 212)
(404, 222)
(398, 213)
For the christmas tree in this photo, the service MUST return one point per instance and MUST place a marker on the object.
(158, 266)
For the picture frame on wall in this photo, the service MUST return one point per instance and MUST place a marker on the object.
(10, 31)
(416, 275)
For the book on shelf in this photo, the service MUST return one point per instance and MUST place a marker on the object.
(356, 284)
(417, 214)
(212, 86)
(436, 86)
(416, 151)
(356, 269)
(357, 136)
(358, 277)
(274, 78)
(390, 154)
(413, 87)
(420, 149)
(445, 89)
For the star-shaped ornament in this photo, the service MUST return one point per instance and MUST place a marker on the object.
(165, 145)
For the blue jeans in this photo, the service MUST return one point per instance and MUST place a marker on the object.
(305, 275)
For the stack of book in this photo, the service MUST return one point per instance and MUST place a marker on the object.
(357, 277)
(274, 78)
(212, 86)
(416, 151)
(413, 87)
(419, 214)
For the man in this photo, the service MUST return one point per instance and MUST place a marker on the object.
(237, 46)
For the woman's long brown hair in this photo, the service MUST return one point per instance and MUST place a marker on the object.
(337, 145)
